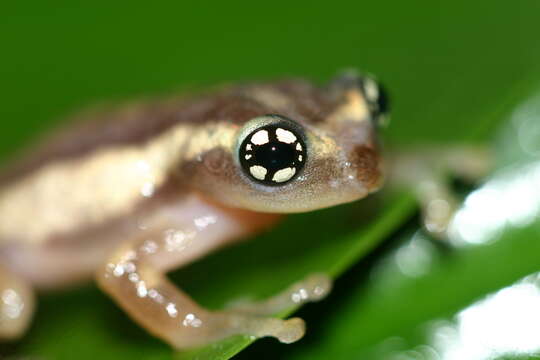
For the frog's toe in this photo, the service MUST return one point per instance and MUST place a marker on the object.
(286, 331)
(438, 205)
(16, 306)
(313, 288)
(291, 330)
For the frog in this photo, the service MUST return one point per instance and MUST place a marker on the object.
(124, 195)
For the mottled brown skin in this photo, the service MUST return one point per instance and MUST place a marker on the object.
(138, 122)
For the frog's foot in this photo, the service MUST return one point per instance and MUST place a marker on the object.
(170, 314)
(425, 170)
(135, 278)
(16, 305)
(313, 288)
(438, 205)
(228, 323)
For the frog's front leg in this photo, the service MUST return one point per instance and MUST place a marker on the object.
(16, 304)
(426, 171)
(135, 277)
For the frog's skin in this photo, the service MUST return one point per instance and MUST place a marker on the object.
(129, 194)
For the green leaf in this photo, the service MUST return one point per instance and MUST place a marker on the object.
(454, 71)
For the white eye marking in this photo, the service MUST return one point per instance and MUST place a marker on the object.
(260, 137)
(371, 89)
(298, 147)
(285, 136)
(248, 156)
(258, 172)
(248, 147)
(284, 174)
(299, 157)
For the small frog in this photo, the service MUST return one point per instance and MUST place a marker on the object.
(128, 194)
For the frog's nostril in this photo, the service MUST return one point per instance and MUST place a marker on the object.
(367, 162)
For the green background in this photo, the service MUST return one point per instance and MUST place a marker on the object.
(455, 72)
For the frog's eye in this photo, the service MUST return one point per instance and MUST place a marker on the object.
(273, 154)
(377, 99)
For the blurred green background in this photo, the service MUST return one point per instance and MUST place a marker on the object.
(456, 71)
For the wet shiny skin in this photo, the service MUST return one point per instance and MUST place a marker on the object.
(128, 210)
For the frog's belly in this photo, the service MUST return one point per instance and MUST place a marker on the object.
(54, 265)
(60, 261)
(57, 258)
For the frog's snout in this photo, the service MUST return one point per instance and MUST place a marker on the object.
(367, 164)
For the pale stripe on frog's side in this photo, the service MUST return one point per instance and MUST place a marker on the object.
(89, 191)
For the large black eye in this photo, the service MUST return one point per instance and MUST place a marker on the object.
(273, 154)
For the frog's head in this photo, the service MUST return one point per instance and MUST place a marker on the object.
(305, 148)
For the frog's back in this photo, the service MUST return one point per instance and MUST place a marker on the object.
(138, 122)
(110, 162)
(95, 129)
